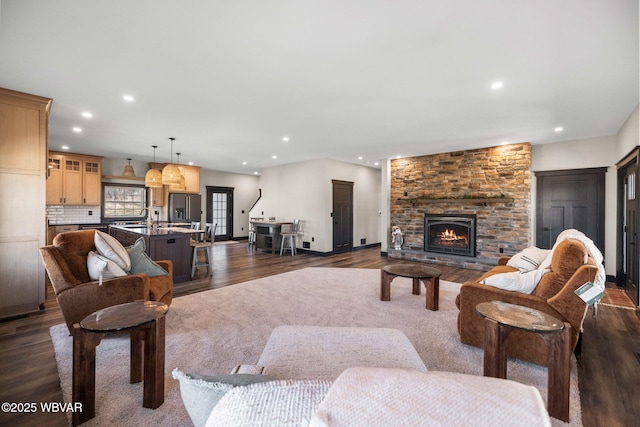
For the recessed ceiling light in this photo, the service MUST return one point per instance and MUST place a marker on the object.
(285, 139)
(496, 85)
(359, 157)
(505, 142)
(128, 98)
(376, 163)
(255, 173)
(274, 157)
(190, 163)
(65, 147)
(77, 129)
(559, 129)
(244, 163)
(87, 115)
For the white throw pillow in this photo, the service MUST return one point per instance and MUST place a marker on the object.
(101, 267)
(516, 281)
(109, 247)
(528, 259)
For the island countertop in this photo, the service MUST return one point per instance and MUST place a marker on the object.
(160, 244)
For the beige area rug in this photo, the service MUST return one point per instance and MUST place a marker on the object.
(617, 298)
(213, 331)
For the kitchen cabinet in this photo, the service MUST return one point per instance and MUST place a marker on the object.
(191, 178)
(160, 244)
(23, 230)
(74, 179)
(156, 196)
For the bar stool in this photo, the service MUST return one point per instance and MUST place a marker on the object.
(289, 231)
(252, 231)
(206, 246)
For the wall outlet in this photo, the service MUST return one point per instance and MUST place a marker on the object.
(90, 212)
(363, 241)
(501, 250)
(313, 239)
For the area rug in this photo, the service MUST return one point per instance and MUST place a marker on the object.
(211, 332)
(617, 298)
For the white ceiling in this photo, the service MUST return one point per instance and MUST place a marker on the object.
(341, 78)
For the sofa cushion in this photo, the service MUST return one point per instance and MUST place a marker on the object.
(140, 261)
(528, 259)
(200, 393)
(282, 403)
(516, 281)
(109, 247)
(101, 268)
(394, 397)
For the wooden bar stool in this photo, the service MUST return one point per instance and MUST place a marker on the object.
(289, 231)
(206, 246)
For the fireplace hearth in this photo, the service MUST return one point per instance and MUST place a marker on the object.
(453, 234)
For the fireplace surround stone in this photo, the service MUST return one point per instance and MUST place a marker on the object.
(494, 184)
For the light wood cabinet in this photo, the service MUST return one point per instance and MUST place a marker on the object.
(191, 178)
(156, 196)
(23, 160)
(74, 179)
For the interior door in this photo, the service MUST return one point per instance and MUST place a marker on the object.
(342, 216)
(630, 232)
(220, 211)
(570, 199)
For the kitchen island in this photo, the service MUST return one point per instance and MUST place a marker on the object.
(160, 244)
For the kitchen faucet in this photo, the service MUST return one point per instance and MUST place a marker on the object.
(149, 217)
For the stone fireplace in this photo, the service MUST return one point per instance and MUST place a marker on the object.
(490, 185)
(450, 234)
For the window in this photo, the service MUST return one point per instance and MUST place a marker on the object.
(123, 202)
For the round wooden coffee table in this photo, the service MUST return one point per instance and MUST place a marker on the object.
(500, 319)
(145, 320)
(418, 272)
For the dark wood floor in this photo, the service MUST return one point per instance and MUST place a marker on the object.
(609, 374)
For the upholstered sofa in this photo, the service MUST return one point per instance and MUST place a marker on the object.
(78, 295)
(377, 379)
(571, 267)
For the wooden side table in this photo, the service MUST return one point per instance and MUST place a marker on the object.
(146, 321)
(501, 319)
(418, 272)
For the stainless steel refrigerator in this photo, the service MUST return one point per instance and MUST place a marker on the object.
(185, 207)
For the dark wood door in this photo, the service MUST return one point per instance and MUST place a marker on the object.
(342, 216)
(220, 211)
(570, 199)
(630, 231)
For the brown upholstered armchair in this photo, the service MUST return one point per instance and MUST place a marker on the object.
(78, 296)
(553, 295)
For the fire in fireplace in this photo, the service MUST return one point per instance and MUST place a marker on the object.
(450, 234)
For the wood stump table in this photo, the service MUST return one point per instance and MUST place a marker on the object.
(501, 319)
(145, 320)
(418, 272)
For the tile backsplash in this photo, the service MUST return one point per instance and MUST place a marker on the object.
(62, 214)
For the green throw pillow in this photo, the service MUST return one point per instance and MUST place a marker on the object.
(201, 393)
(140, 261)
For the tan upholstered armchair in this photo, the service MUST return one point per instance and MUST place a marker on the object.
(554, 295)
(78, 296)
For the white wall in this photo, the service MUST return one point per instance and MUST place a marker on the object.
(303, 190)
(582, 154)
(628, 137)
(245, 193)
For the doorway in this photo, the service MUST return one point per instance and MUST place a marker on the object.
(342, 216)
(570, 199)
(627, 275)
(220, 211)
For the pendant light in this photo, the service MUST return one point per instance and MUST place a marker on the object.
(153, 178)
(128, 170)
(182, 186)
(171, 173)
